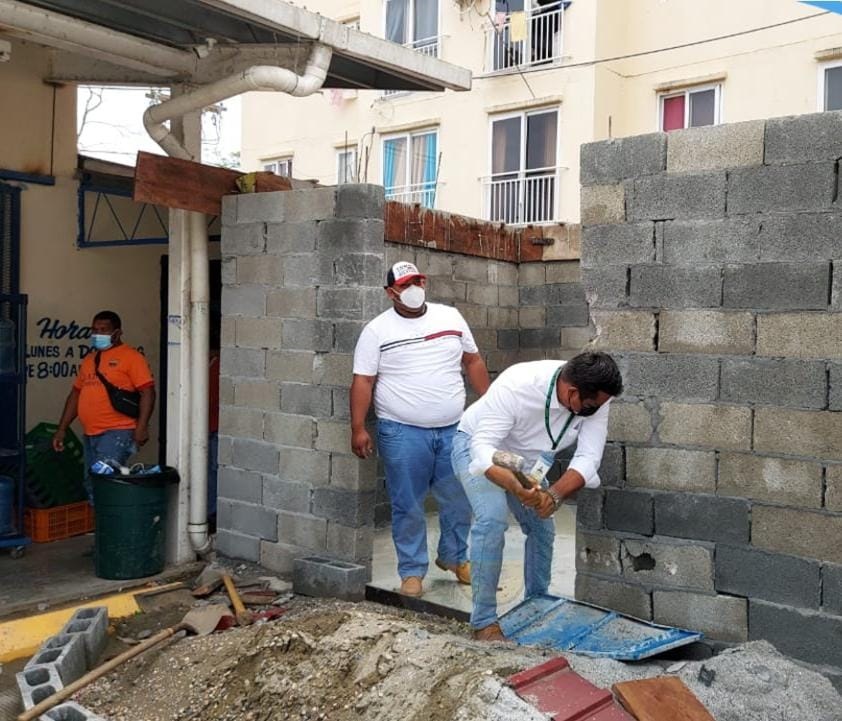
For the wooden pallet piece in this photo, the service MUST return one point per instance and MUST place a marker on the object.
(665, 698)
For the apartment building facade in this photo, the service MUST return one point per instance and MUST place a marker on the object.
(548, 77)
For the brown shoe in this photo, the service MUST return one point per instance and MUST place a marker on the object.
(492, 632)
(462, 571)
(411, 586)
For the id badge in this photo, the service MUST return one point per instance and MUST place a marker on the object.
(541, 468)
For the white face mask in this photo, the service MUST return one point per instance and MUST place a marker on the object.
(413, 297)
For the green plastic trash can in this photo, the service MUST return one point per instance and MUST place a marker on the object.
(131, 520)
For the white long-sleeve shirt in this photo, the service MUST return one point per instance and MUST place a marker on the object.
(511, 417)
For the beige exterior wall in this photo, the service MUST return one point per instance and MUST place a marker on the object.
(762, 74)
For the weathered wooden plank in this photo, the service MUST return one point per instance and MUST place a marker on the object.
(661, 699)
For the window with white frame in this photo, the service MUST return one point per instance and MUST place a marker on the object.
(410, 167)
(830, 86)
(691, 108)
(346, 166)
(523, 185)
(414, 23)
(279, 166)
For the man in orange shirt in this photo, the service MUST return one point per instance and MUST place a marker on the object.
(110, 436)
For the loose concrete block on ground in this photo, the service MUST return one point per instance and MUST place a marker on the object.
(808, 534)
(723, 618)
(798, 433)
(715, 147)
(711, 426)
(671, 469)
(615, 595)
(36, 683)
(70, 711)
(91, 625)
(65, 652)
(706, 331)
(776, 480)
(324, 577)
(661, 562)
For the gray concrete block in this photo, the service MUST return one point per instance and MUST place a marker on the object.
(760, 380)
(91, 624)
(256, 394)
(360, 269)
(723, 618)
(708, 242)
(808, 534)
(614, 595)
(743, 571)
(671, 197)
(306, 466)
(237, 545)
(533, 317)
(597, 553)
(346, 334)
(360, 200)
(564, 271)
(308, 270)
(831, 589)
(798, 433)
(483, 294)
(350, 303)
(255, 455)
(333, 435)
(350, 508)
(715, 147)
(800, 335)
(324, 577)
(833, 491)
(804, 635)
(70, 711)
(702, 517)
(314, 335)
(627, 244)
(305, 399)
(575, 315)
(260, 269)
(246, 239)
(706, 331)
(686, 377)
(612, 470)
(712, 426)
(589, 505)
(660, 562)
(610, 161)
(629, 422)
(291, 303)
(258, 332)
(240, 423)
(470, 269)
(663, 286)
(502, 318)
(508, 339)
(239, 485)
(36, 683)
(540, 338)
(777, 286)
(228, 272)
(777, 480)
(289, 238)
(795, 237)
(352, 473)
(623, 330)
(341, 403)
(341, 236)
(248, 300)
(603, 204)
(286, 495)
(606, 287)
(503, 273)
(242, 362)
(65, 652)
(628, 511)
(289, 430)
(447, 291)
(302, 530)
(781, 187)
(249, 518)
(803, 138)
(350, 544)
(577, 338)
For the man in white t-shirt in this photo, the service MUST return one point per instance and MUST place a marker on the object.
(410, 360)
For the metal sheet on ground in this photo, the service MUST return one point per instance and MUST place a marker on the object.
(564, 624)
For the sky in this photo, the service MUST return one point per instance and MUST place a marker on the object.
(114, 129)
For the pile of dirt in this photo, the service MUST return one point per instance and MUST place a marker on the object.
(337, 662)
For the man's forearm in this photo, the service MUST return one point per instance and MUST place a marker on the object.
(570, 482)
(360, 403)
(477, 374)
(71, 408)
(504, 478)
(147, 404)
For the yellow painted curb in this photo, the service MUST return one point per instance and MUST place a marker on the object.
(23, 636)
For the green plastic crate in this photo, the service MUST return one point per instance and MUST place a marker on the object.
(53, 479)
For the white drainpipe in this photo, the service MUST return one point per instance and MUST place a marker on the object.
(261, 77)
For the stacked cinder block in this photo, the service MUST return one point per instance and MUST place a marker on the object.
(711, 263)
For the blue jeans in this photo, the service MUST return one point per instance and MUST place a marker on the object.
(491, 506)
(110, 446)
(417, 461)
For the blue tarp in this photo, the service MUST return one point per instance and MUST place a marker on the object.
(567, 625)
(833, 6)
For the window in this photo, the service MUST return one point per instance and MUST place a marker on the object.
(523, 185)
(414, 23)
(525, 36)
(410, 167)
(280, 166)
(346, 166)
(690, 108)
(830, 86)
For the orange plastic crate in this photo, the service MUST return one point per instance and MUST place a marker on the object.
(52, 524)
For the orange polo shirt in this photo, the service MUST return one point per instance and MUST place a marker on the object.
(124, 367)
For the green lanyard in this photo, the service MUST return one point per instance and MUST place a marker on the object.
(550, 391)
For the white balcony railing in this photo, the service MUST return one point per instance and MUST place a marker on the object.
(426, 46)
(422, 193)
(542, 30)
(524, 197)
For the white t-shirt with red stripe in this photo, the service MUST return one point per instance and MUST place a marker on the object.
(418, 364)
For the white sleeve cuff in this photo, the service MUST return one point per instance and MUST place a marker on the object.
(587, 470)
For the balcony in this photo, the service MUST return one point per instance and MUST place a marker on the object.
(426, 46)
(422, 193)
(527, 197)
(539, 32)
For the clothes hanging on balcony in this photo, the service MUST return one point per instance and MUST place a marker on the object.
(517, 26)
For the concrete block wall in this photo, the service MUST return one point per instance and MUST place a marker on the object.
(711, 261)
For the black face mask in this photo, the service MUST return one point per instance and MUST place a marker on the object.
(587, 411)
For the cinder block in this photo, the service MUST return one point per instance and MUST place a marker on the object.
(777, 188)
(70, 711)
(247, 300)
(483, 294)
(350, 544)
(800, 335)
(577, 338)
(314, 335)
(350, 508)
(809, 534)
(715, 147)
(258, 332)
(351, 473)
(297, 303)
(798, 237)
(349, 303)
(803, 138)
(333, 369)
(804, 635)
(564, 271)
(603, 204)
(702, 517)
(628, 511)
(289, 430)
(777, 286)
(243, 362)
(36, 683)
(614, 595)
(255, 455)
(723, 618)
(575, 314)
(360, 200)
(446, 290)
(629, 422)
(333, 436)
(361, 269)
(540, 338)
(66, 653)
(308, 270)
(670, 197)
(256, 394)
(831, 589)
(833, 492)
(229, 210)
(691, 378)
(621, 330)
(289, 238)
(706, 331)
(532, 318)
(760, 380)
(508, 339)
(664, 286)
(260, 269)
(661, 563)
(707, 242)
(228, 272)
(346, 334)
(610, 161)
(324, 577)
(606, 287)
(249, 518)
(91, 624)
(671, 469)
(241, 422)
(302, 530)
(304, 465)
(777, 480)
(286, 495)
(237, 545)
(612, 470)
(589, 507)
(295, 366)
(502, 318)
(476, 316)
(242, 240)
(597, 553)
(711, 426)
(773, 577)
(798, 433)
(471, 269)
(626, 244)
(502, 273)
(306, 400)
(279, 557)
(238, 485)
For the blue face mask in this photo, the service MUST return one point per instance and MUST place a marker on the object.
(101, 341)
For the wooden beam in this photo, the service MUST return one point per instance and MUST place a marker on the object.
(183, 184)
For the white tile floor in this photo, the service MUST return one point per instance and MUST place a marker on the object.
(441, 587)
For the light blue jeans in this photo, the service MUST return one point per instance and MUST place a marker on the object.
(110, 446)
(417, 462)
(491, 506)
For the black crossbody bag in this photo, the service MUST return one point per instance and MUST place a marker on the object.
(122, 401)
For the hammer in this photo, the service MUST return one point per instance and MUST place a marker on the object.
(244, 616)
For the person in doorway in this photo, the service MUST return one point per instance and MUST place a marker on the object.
(110, 436)
(410, 359)
(531, 410)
